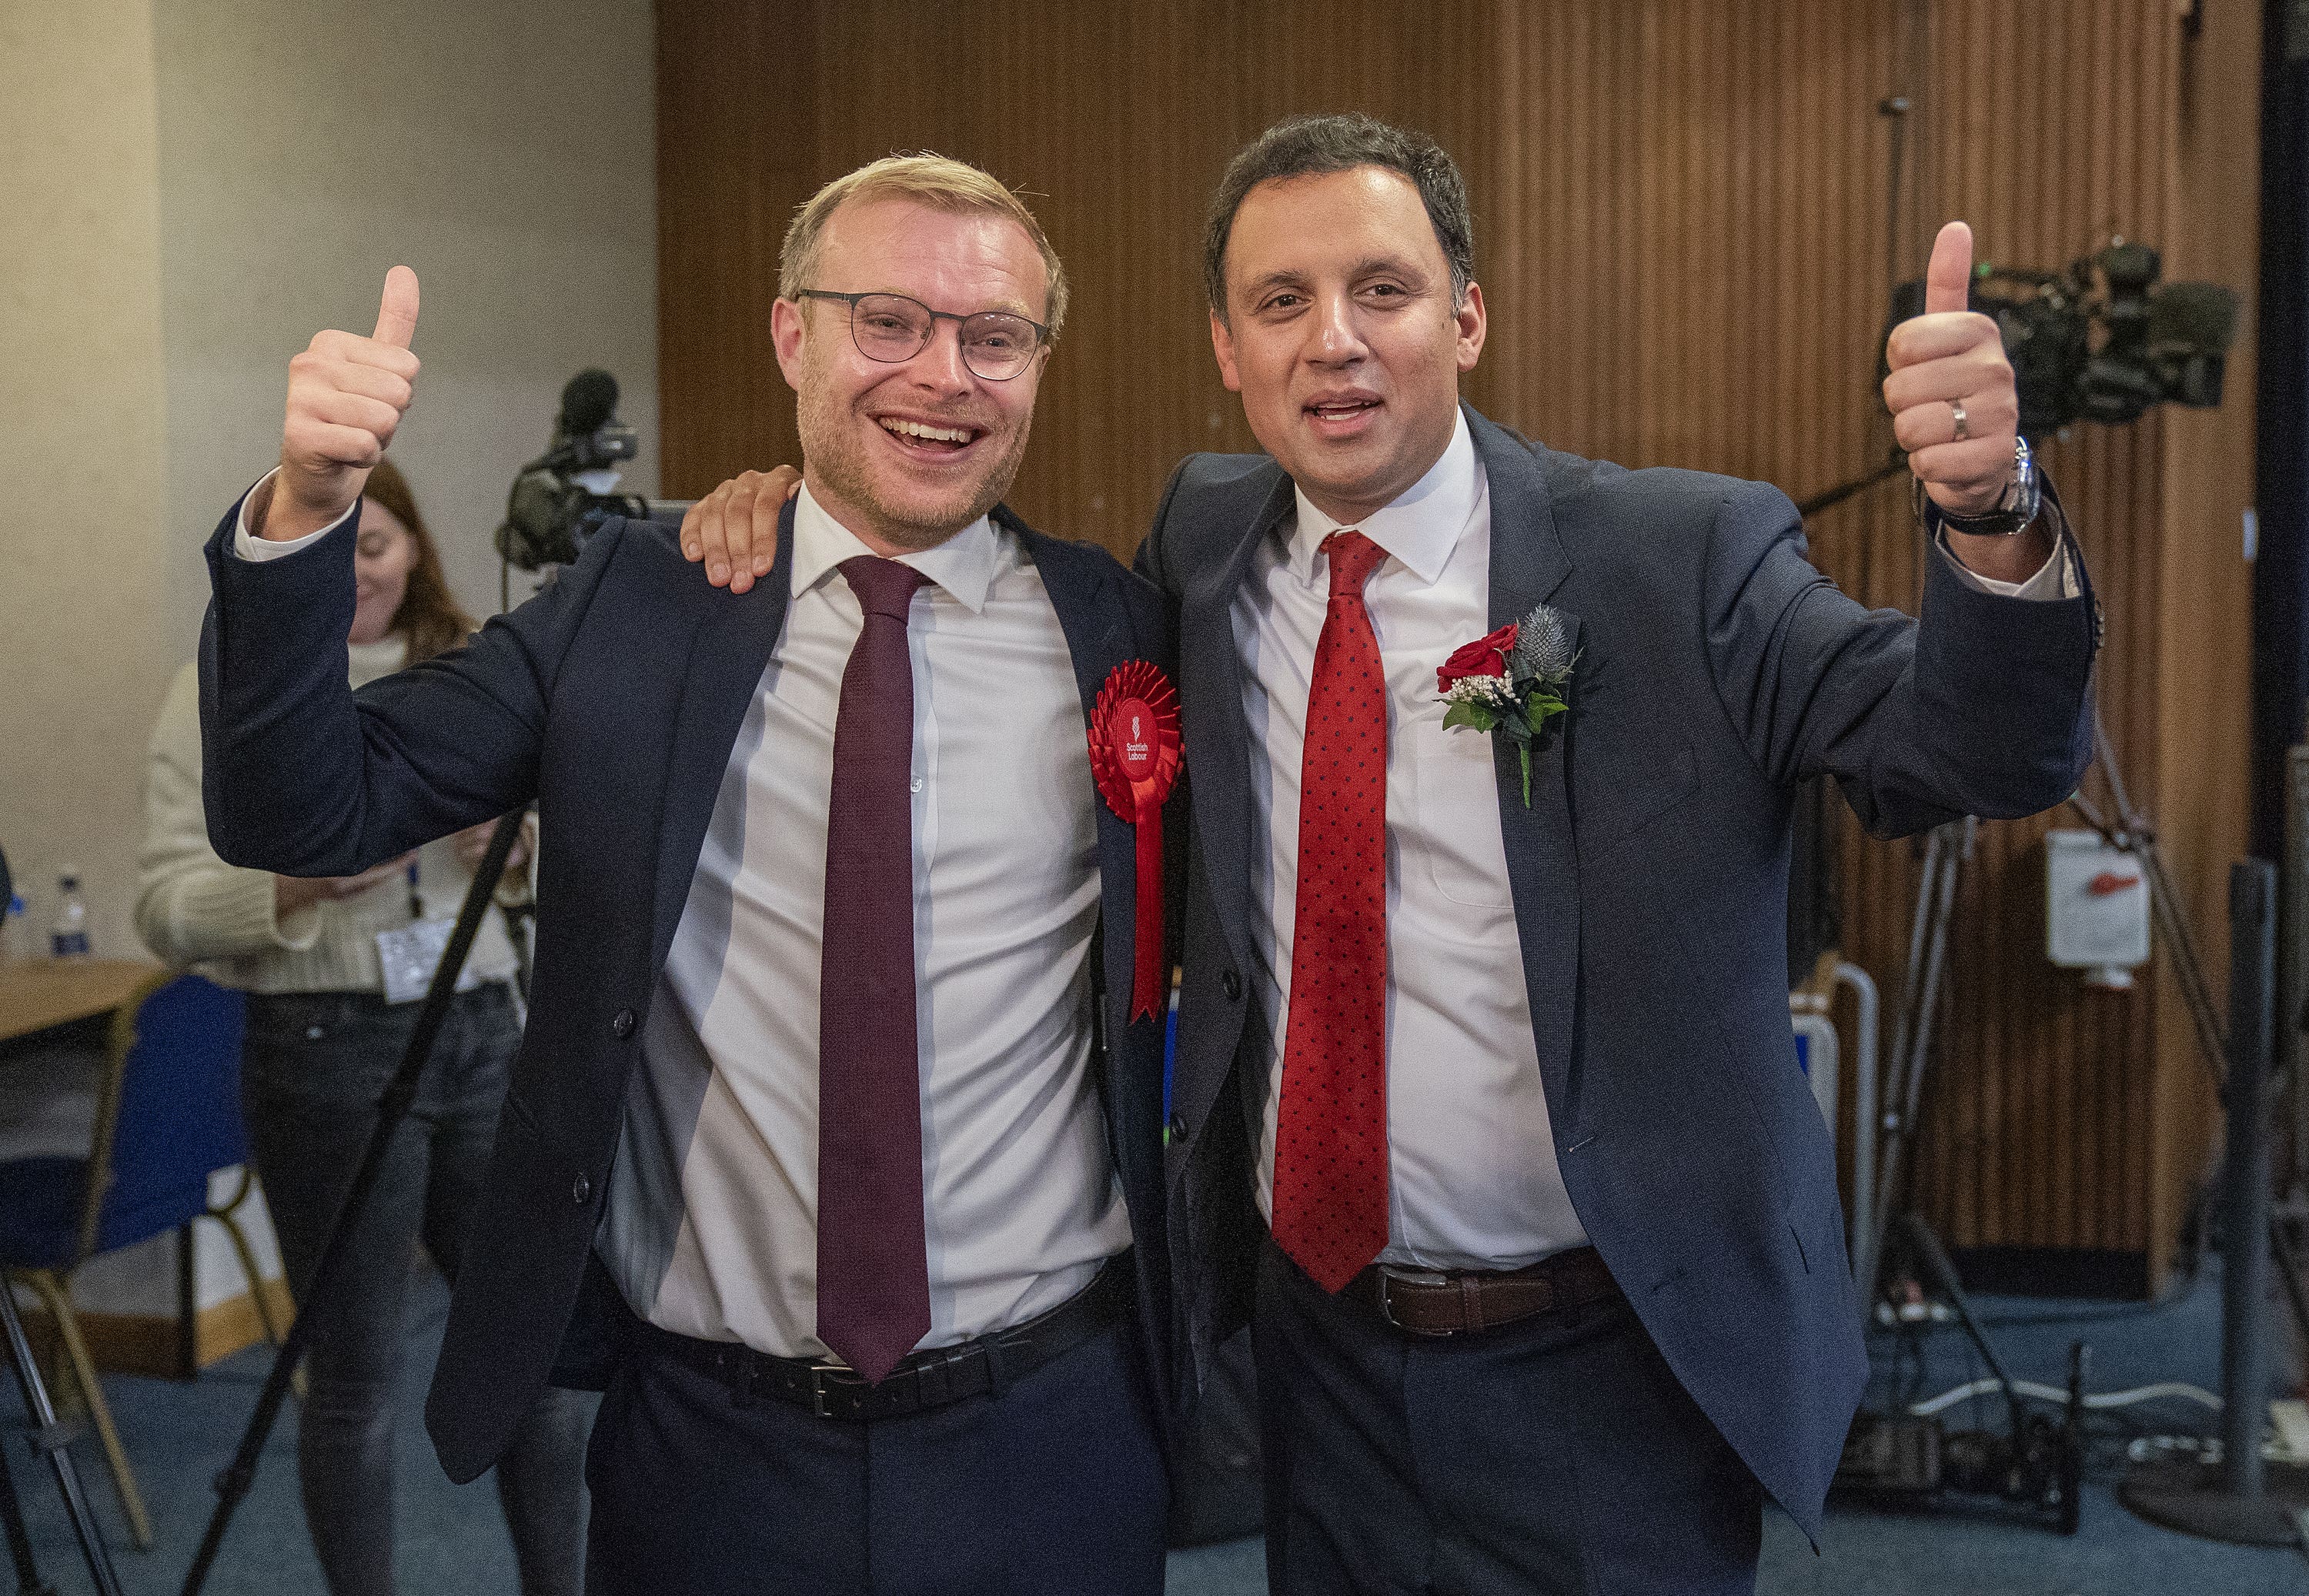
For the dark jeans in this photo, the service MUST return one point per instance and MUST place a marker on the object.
(1557, 1455)
(1052, 1487)
(314, 1068)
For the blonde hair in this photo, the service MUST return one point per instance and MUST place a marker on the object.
(934, 180)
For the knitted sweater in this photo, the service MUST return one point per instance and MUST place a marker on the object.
(193, 909)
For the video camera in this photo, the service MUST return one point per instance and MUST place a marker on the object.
(560, 498)
(2160, 342)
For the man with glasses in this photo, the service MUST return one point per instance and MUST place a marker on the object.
(831, 1133)
(1484, 1108)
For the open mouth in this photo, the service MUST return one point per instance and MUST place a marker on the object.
(1339, 417)
(930, 440)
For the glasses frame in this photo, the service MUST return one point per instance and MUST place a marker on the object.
(1041, 333)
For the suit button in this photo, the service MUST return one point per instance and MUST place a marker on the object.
(1231, 984)
(1175, 1127)
(581, 1191)
(622, 1026)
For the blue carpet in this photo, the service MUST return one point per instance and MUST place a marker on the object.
(453, 1541)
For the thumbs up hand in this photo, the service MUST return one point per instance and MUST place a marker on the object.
(347, 395)
(1954, 408)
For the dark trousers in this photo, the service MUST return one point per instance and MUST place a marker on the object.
(1554, 1454)
(313, 1067)
(1052, 1487)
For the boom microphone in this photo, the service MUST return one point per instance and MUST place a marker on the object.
(588, 401)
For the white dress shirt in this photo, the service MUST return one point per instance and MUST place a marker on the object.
(1473, 1181)
(711, 1223)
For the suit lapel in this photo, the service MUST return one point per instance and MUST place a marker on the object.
(1218, 744)
(1528, 565)
(1098, 638)
(727, 656)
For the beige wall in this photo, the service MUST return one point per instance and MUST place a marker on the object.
(86, 643)
(191, 190)
(507, 151)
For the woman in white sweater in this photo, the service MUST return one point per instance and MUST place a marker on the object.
(322, 1041)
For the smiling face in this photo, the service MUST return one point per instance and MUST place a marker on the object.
(385, 552)
(906, 454)
(1341, 335)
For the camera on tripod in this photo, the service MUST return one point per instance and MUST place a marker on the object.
(560, 498)
(2160, 343)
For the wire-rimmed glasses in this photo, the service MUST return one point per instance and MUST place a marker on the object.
(995, 344)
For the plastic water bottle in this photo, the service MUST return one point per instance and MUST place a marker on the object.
(68, 935)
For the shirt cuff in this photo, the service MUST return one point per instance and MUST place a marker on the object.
(248, 546)
(2057, 578)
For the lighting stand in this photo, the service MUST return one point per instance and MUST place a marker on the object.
(2241, 1497)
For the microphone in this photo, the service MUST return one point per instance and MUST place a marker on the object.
(588, 401)
(563, 496)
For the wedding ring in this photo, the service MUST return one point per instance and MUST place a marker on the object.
(1956, 412)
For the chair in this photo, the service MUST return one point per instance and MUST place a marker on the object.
(168, 1115)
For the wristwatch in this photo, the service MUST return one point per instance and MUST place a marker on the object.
(2016, 509)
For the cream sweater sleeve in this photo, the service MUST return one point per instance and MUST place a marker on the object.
(190, 904)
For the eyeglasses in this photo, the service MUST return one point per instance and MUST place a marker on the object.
(996, 345)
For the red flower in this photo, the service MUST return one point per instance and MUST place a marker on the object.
(1486, 656)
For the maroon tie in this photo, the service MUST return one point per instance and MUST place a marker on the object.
(873, 1275)
(1330, 1128)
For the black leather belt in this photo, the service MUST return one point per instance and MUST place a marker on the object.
(923, 1380)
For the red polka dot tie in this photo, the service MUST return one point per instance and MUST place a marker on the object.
(1331, 1134)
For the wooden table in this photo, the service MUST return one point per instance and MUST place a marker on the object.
(36, 994)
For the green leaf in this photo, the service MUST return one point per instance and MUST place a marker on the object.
(1516, 728)
(1469, 714)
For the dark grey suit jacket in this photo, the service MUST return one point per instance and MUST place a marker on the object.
(1718, 669)
(613, 698)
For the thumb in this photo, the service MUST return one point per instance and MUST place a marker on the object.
(1948, 280)
(396, 313)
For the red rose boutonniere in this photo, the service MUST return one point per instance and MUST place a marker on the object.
(1511, 682)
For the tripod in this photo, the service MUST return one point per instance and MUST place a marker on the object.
(52, 1438)
(1949, 847)
(234, 1481)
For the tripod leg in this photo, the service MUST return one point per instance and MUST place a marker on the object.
(50, 1439)
(233, 1483)
(2289, 1270)
(20, 1539)
(60, 1312)
(1933, 1261)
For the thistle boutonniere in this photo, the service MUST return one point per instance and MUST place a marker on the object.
(1512, 681)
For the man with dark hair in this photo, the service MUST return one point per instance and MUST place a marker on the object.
(1484, 1110)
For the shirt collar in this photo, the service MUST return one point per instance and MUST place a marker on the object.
(963, 566)
(1421, 528)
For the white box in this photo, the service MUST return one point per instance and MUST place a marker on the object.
(2095, 907)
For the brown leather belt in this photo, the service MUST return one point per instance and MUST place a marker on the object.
(1455, 1301)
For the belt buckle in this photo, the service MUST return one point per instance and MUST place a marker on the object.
(1414, 1277)
(823, 1376)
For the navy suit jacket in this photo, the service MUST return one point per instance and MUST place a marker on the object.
(1718, 669)
(613, 698)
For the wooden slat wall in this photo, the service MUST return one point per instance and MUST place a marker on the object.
(1682, 232)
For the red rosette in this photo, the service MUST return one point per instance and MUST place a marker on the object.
(1134, 757)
